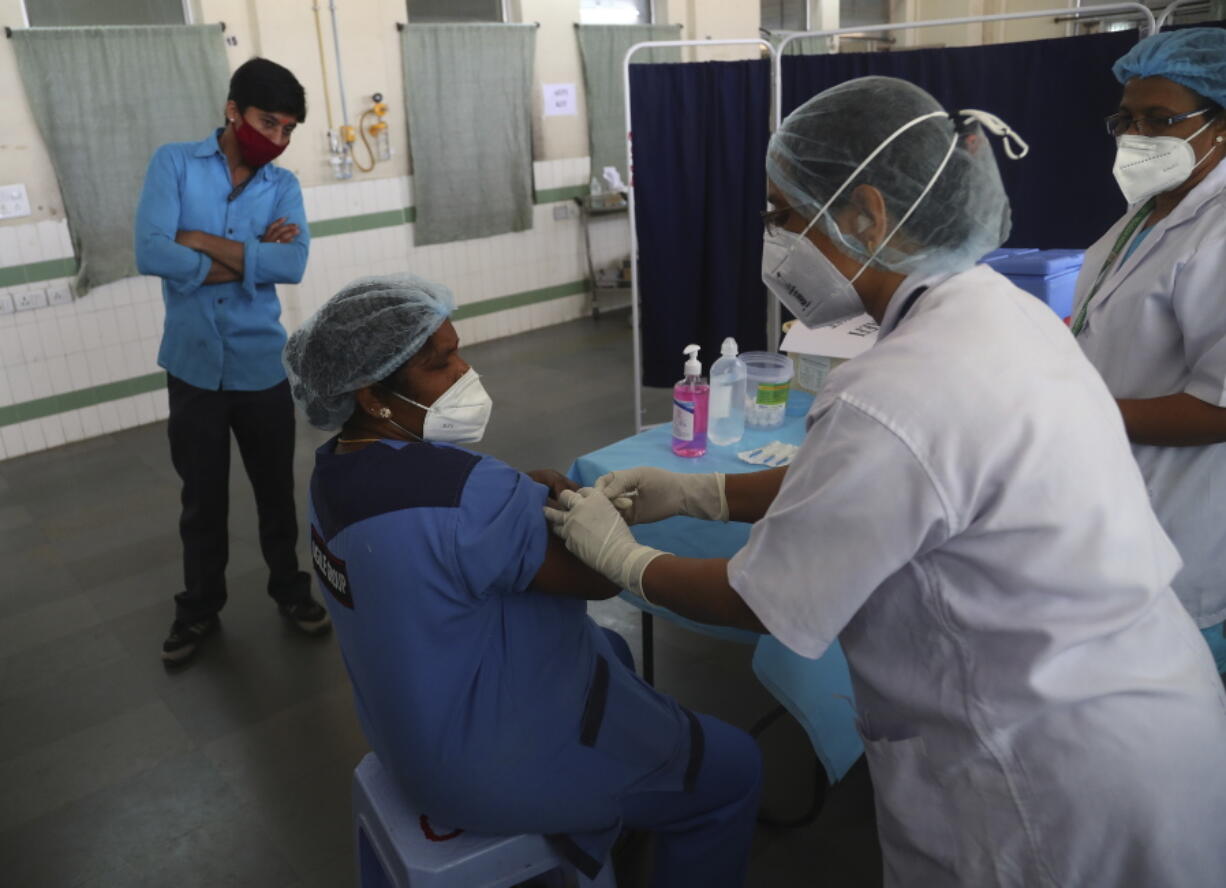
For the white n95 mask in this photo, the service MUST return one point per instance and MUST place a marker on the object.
(805, 281)
(460, 414)
(1149, 165)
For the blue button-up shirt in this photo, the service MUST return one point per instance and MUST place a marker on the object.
(219, 336)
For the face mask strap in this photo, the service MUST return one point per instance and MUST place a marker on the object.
(915, 206)
(898, 132)
(470, 374)
(1212, 145)
(1015, 146)
(990, 122)
(406, 399)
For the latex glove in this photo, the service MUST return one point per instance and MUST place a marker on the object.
(596, 534)
(648, 494)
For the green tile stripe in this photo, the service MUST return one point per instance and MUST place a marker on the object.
(87, 397)
(15, 275)
(519, 300)
(556, 195)
(363, 222)
(112, 391)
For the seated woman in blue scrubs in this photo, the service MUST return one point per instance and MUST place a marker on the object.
(480, 681)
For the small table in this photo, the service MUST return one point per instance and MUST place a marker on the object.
(830, 725)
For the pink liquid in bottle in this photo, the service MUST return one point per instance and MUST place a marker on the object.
(691, 397)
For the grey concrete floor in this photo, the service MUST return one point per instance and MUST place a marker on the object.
(235, 771)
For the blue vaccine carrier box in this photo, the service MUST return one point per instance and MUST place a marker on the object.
(1049, 275)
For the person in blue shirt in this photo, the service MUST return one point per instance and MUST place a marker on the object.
(221, 226)
(479, 680)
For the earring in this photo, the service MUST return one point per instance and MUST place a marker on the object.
(385, 413)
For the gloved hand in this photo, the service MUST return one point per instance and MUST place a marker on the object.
(646, 494)
(596, 534)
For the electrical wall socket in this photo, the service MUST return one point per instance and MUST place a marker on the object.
(14, 201)
(59, 294)
(6, 304)
(30, 299)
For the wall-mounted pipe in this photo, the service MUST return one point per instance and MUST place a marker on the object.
(323, 67)
(340, 72)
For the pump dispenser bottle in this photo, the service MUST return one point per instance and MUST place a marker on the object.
(727, 415)
(690, 400)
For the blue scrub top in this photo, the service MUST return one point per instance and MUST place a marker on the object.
(498, 708)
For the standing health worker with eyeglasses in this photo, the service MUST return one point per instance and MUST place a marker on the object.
(1150, 307)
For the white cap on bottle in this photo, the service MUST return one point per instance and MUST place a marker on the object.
(728, 349)
(693, 367)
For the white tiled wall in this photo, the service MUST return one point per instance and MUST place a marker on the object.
(113, 333)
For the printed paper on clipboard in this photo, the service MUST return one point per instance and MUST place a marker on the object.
(845, 339)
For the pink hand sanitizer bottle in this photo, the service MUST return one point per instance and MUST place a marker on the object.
(690, 400)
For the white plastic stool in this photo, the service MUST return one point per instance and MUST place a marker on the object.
(398, 847)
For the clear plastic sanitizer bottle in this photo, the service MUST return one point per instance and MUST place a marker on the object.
(690, 397)
(727, 415)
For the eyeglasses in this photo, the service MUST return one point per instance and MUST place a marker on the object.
(775, 220)
(1121, 122)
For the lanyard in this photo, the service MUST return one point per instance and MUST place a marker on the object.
(1120, 242)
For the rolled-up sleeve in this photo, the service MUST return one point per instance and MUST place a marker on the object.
(157, 224)
(265, 263)
(1199, 301)
(501, 535)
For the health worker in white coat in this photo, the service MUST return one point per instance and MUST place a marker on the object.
(1151, 300)
(965, 516)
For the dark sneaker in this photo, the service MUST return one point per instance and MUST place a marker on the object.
(308, 615)
(181, 643)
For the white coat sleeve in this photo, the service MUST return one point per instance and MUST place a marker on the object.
(1199, 300)
(855, 507)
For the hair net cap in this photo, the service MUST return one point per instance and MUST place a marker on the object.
(358, 337)
(1195, 58)
(819, 146)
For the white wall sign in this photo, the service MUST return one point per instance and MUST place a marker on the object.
(559, 99)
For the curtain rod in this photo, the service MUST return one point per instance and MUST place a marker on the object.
(400, 26)
(8, 32)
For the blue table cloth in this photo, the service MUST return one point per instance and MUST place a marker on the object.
(817, 692)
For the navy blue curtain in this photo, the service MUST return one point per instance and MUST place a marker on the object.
(1055, 93)
(700, 134)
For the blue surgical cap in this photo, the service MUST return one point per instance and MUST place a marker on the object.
(1193, 57)
(358, 337)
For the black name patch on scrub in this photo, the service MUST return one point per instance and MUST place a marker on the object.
(330, 570)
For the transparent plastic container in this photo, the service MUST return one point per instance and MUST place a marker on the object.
(767, 385)
(726, 419)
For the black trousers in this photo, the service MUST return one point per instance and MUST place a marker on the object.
(199, 429)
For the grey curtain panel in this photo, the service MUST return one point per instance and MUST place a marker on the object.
(604, 49)
(104, 99)
(468, 88)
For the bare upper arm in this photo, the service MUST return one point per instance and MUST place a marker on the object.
(561, 573)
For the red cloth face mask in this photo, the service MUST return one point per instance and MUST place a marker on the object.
(256, 148)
